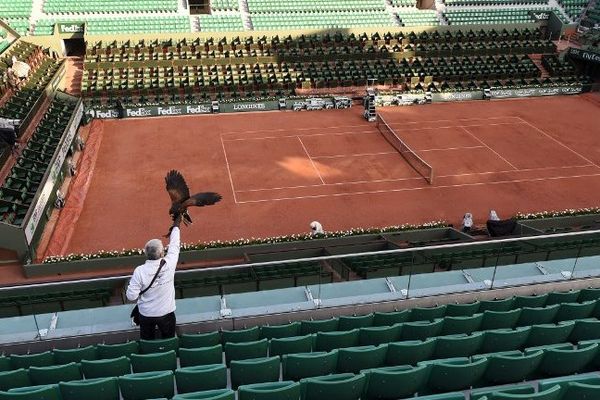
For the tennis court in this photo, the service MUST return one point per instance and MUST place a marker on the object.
(279, 171)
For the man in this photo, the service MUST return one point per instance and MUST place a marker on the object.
(157, 305)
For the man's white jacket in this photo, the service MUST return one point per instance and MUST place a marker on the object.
(159, 300)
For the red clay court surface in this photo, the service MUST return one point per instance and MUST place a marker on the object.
(279, 171)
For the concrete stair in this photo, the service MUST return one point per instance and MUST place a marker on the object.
(537, 60)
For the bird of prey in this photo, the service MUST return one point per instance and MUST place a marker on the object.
(181, 199)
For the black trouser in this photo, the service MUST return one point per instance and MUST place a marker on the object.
(166, 326)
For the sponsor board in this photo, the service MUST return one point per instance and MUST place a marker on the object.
(535, 92)
(540, 15)
(585, 55)
(457, 96)
(74, 27)
(53, 174)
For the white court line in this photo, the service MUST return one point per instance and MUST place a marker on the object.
(311, 161)
(558, 142)
(411, 179)
(451, 120)
(410, 130)
(309, 135)
(229, 171)
(356, 155)
(492, 150)
(418, 188)
(452, 148)
(294, 129)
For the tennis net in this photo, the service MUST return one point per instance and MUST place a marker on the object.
(418, 164)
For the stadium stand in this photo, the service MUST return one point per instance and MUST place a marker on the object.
(76, 7)
(216, 23)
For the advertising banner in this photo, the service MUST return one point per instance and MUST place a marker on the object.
(585, 55)
(457, 96)
(535, 92)
(73, 27)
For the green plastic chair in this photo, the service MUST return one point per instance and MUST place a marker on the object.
(327, 325)
(589, 294)
(147, 385)
(44, 359)
(572, 311)
(585, 329)
(500, 319)
(106, 367)
(201, 356)
(326, 341)
(537, 315)
(550, 333)
(97, 389)
(201, 377)
(534, 301)
(44, 392)
(427, 313)
(285, 390)
(571, 296)
(154, 362)
(219, 394)
(245, 350)
(511, 366)
(505, 339)
(395, 382)
(354, 359)
(553, 393)
(257, 370)
(241, 335)
(290, 345)
(445, 396)
(467, 324)
(280, 331)
(347, 323)
(410, 352)
(462, 310)
(376, 335)
(482, 394)
(390, 318)
(55, 374)
(564, 361)
(193, 340)
(339, 387)
(14, 379)
(74, 355)
(582, 391)
(498, 305)
(589, 379)
(159, 346)
(421, 330)
(117, 350)
(4, 364)
(461, 345)
(454, 374)
(298, 366)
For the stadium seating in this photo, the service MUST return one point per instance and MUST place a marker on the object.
(418, 17)
(217, 23)
(502, 15)
(73, 6)
(573, 8)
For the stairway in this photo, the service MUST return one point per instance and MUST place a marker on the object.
(537, 60)
(74, 75)
(245, 14)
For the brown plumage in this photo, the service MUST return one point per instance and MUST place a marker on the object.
(180, 197)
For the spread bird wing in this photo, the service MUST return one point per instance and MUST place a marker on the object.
(176, 186)
(202, 199)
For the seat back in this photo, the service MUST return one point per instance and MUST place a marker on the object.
(280, 331)
(147, 385)
(240, 335)
(503, 369)
(354, 359)
(55, 374)
(421, 330)
(44, 359)
(201, 377)
(257, 370)
(505, 339)
(326, 325)
(219, 394)
(410, 352)
(298, 366)
(154, 362)
(376, 335)
(458, 345)
(285, 390)
(44, 392)
(395, 382)
(339, 387)
(97, 389)
(245, 350)
(14, 379)
(117, 350)
(193, 340)
(327, 341)
(291, 345)
(74, 355)
(106, 367)
(390, 318)
(159, 346)
(201, 355)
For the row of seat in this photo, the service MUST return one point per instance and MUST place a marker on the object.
(74, 6)
(573, 8)
(321, 20)
(218, 23)
(417, 17)
(269, 6)
(224, 5)
(17, 8)
(504, 15)
(556, 67)
(123, 25)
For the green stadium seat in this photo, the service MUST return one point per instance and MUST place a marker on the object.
(462, 310)
(571, 296)
(537, 315)
(395, 382)
(566, 361)
(97, 389)
(44, 359)
(548, 394)
(454, 374)
(105, 368)
(390, 318)
(44, 392)
(154, 362)
(326, 341)
(218, 394)
(511, 366)
(55, 374)
(498, 305)
(549, 333)
(354, 359)
(588, 294)
(534, 301)
(410, 352)
(193, 340)
(285, 390)
(459, 345)
(200, 378)
(585, 391)
(159, 346)
(564, 381)
(505, 339)
(318, 363)
(117, 350)
(500, 319)
(339, 387)
(327, 325)
(570, 311)
(4, 364)
(376, 335)
(479, 394)
(347, 323)
(427, 313)
(201, 356)
(74, 355)
(585, 329)
(14, 379)
(421, 330)
(444, 396)
(242, 335)
(463, 324)
(290, 345)
(280, 331)
(256, 370)
(147, 385)
(245, 350)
